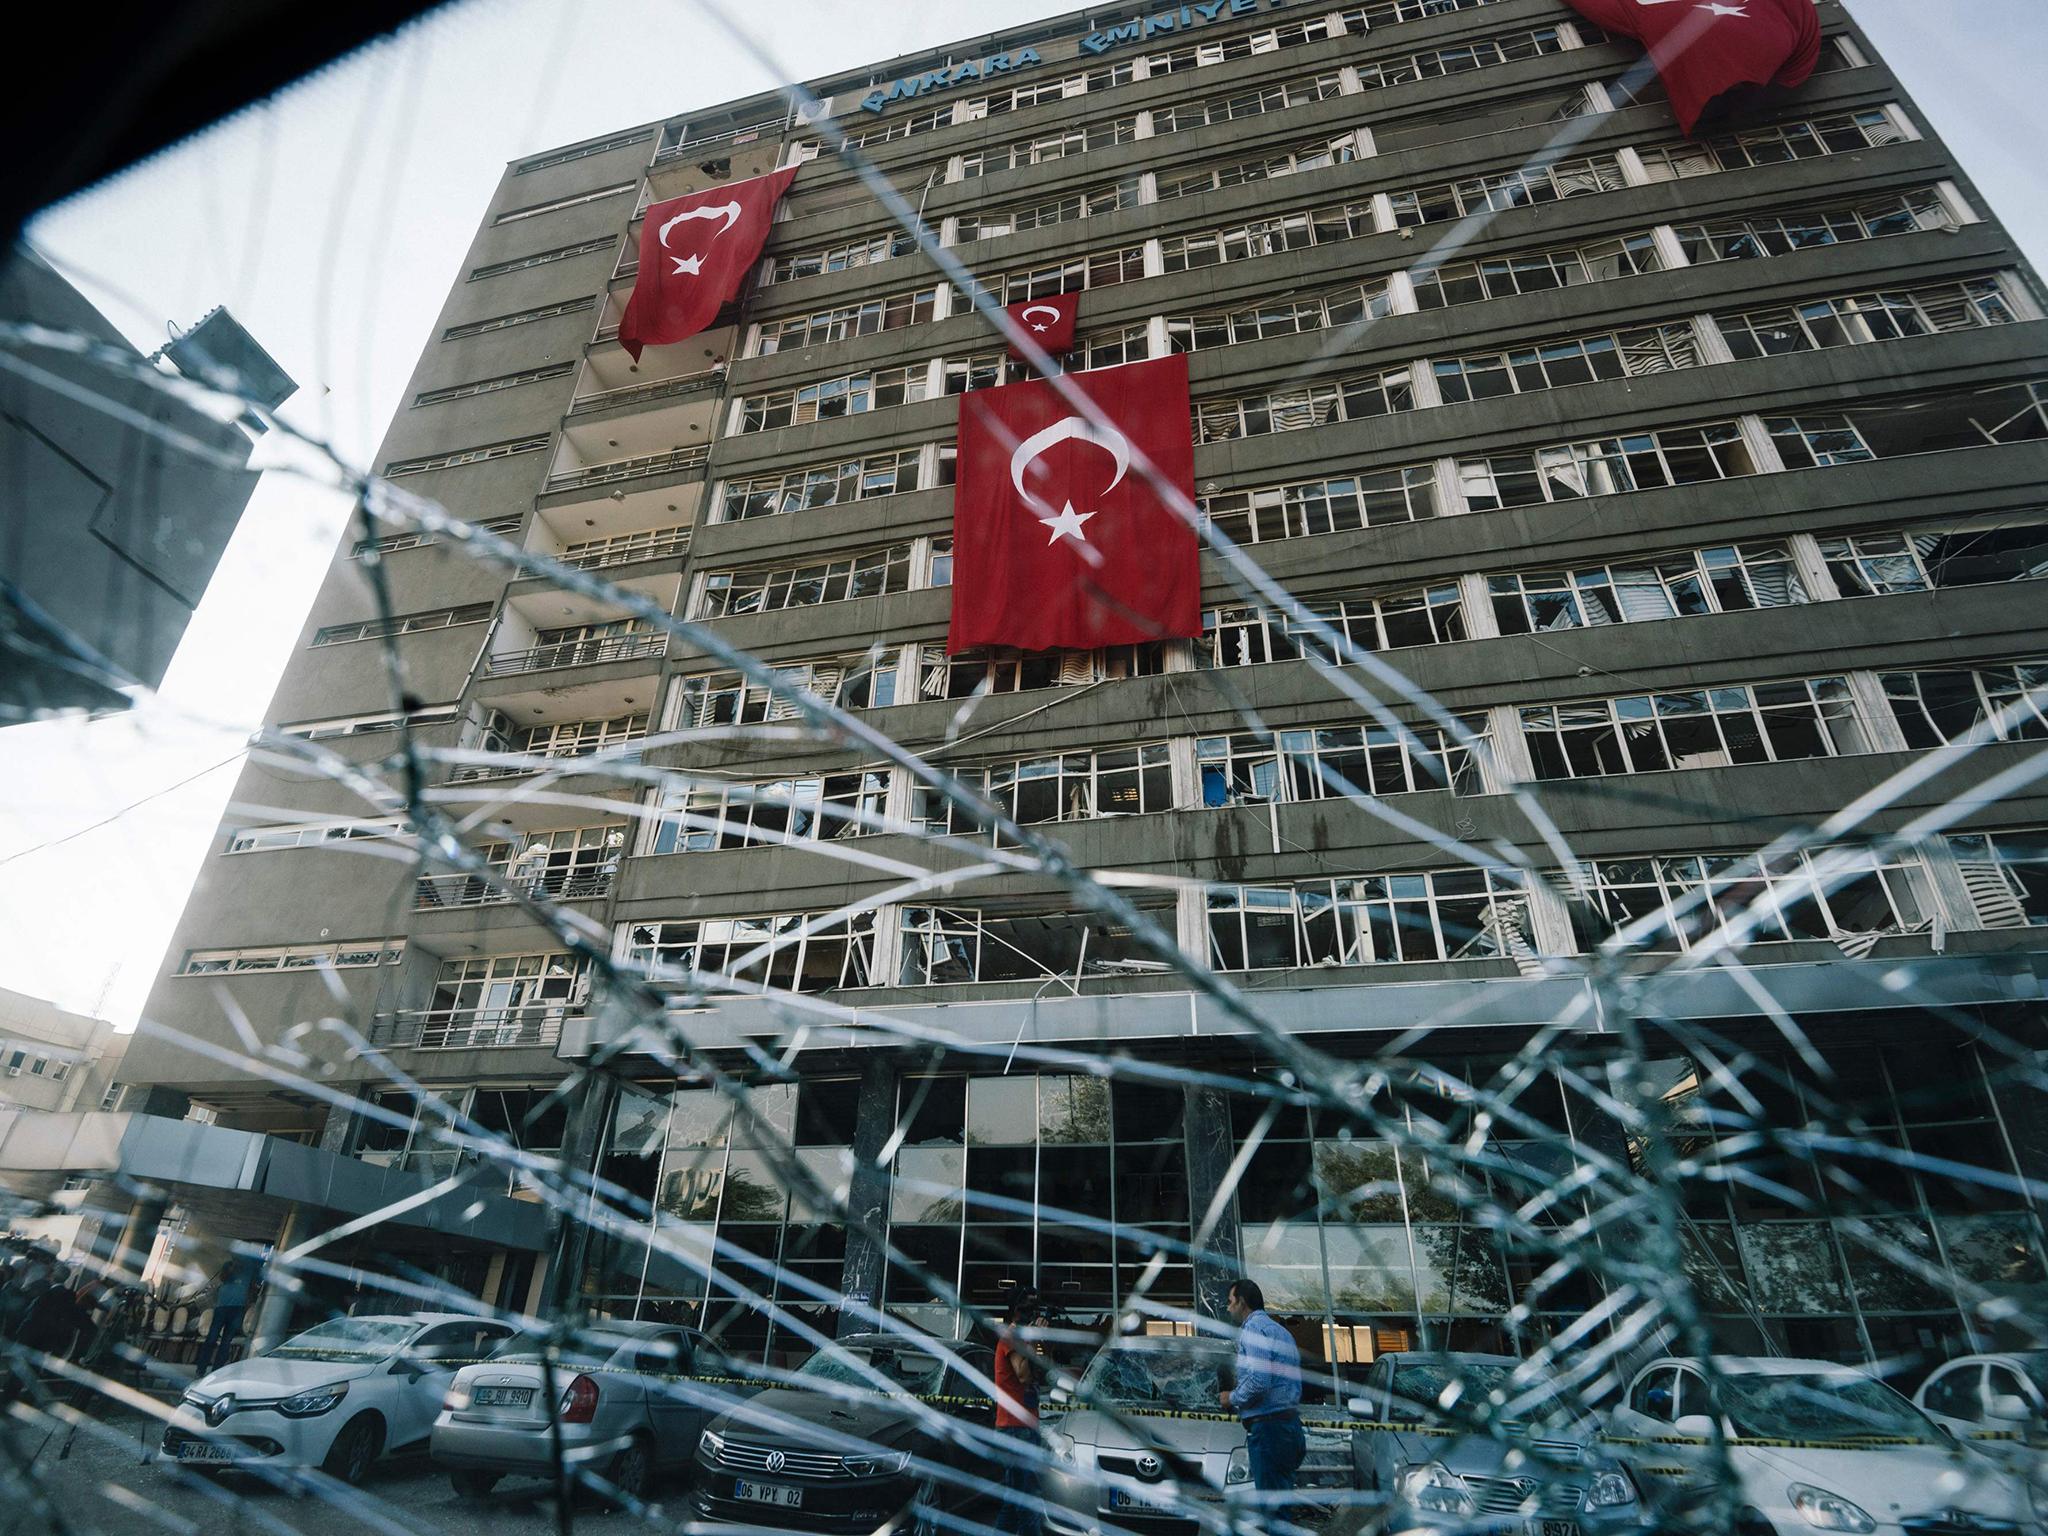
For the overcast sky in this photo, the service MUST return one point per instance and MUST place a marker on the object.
(333, 221)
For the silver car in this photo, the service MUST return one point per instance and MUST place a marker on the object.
(1119, 1462)
(622, 1414)
(1532, 1478)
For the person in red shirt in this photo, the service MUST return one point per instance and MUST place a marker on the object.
(1016, 1377)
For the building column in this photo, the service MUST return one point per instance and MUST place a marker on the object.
(280, 1287)
(138, 1237)
(595, 1101)
(1220, 1259)
(866, 1265)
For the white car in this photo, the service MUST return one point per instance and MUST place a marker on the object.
(335, 1397)
(2000, 1394)
(1813, 1446)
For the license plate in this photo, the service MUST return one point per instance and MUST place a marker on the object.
(1554, 1527)
(1120, 1498)
(203, 1450)
(769, 1493)
(502, 1397)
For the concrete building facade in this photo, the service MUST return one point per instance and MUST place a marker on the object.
(1701, 479)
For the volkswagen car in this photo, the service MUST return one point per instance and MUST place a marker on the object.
(335, 1397)
(846, 1443)
(1812, 1446)
(1122, 1462)
(618, 1407)
(1534, 1471)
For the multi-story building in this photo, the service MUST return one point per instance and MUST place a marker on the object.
(1702, 480)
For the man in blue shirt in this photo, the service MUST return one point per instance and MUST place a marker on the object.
(1267, 1395)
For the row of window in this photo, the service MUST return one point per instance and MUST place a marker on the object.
(1521, 186)
(520, 317)
(1634, 461)
(1709, 727)
(415, 538)
(542, 258)
(1662, 902)
(1856, 319)
(292, 957)
(358, 725)
(398, 468)
(492, 385)
(403, 624)
(271, 839)
(834, 579)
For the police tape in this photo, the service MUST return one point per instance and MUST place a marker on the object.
(1354, 1426)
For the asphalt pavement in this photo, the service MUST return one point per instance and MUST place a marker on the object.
(102, 1480)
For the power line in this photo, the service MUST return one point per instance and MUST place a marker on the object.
(117, 815)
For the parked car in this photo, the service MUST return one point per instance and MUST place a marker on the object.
(335, 1397)
(833, 1450)
(619, 1410)
(1816, 1446)
(1118, 1460)
(1979, 1393)
(1539, 1463)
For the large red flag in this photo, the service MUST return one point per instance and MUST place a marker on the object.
(1048, 321)
(1704, 47)
(1059, 539)
(695, 251)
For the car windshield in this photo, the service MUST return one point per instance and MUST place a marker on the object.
(911, 1371)
(594, 1347)
(349, 1338)
(1821, 1407)
(1423, 1385)
(1186, 1378)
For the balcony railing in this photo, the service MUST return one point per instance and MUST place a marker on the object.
(628, 469)
(665, 543)
(468, 1029)
(580, 653)
(731, 136)
(436, 892)
(633, 394)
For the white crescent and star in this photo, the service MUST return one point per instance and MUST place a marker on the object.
(1067, 523)
(729, 212)
(1038, 309)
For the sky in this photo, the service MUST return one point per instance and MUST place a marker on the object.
(333, 220)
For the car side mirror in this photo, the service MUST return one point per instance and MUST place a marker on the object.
(2011, 1408)
(1694, 1426)
(1359, 1407)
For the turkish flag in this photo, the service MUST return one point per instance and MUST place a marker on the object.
(1059, 538)
(1704, 47)
(695, 251)
(1049, 322)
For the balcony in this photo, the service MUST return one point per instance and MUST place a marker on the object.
(579, 653)
(747, 134)
(637, 394)
(628, 549)
(470, 1029)
(692, 457)
(437, 893)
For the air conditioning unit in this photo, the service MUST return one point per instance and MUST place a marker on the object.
(14, 1071)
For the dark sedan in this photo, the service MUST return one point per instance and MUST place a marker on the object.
(842, 1447)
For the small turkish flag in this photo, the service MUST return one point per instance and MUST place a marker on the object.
(695, 251)
(1704, 47)
(1049, 322)
(1059, 537)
